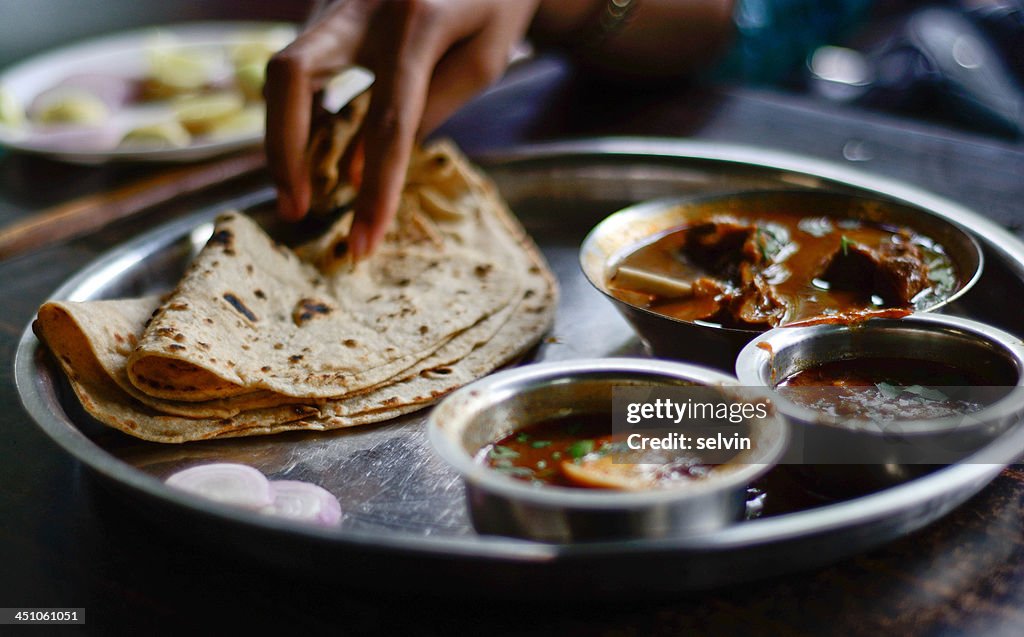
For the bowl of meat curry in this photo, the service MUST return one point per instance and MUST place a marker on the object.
(699, 277)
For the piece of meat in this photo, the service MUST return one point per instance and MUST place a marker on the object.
(894, 271)
(736, 252)
(758, 306)
(903, 273)
(706, 303)
(754, 304)
(720, 244)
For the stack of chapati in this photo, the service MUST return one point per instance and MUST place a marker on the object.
(259, 339)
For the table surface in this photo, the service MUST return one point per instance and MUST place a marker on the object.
(66, 542)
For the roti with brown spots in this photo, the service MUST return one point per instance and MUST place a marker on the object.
(257, 338)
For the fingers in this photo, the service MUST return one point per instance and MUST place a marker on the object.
(289, 105)
(423, 31)
(293, 76)
(402, 43)
(388, 134)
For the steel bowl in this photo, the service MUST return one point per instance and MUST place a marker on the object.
(844, 457)
(503, 403)
(717, 346)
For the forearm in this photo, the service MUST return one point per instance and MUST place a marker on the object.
(660, 38)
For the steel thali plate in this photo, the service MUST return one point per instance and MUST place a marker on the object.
(404, 510)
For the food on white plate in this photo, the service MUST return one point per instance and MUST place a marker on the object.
(250, 57)
(213, 90)
(113, 90)
(177, 69)
(12, 113)
(201, 113)
(250, 79)
(259, 45)
(69, 105)
(250, 120)
(160, 135)
(244, 486)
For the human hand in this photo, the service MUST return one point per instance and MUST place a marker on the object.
(429, 57)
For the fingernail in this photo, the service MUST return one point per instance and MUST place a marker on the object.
(357, 241)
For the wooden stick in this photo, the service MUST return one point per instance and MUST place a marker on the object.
(91, 212)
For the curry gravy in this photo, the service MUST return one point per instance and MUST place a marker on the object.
(792, 253)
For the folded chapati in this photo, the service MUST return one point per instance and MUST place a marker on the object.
(258, 339)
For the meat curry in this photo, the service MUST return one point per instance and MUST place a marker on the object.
(779, 269)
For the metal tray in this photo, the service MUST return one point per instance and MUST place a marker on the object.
(405, 526)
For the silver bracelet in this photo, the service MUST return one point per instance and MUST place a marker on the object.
(612, 18)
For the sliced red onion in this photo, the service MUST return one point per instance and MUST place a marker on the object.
(225, 482)
(298, 500)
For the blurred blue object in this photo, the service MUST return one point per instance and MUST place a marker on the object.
(775, 37)
(942, 64)
(1003, 23)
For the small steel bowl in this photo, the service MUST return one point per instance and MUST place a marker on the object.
(711, 344)
(856, 456)
(494, 407)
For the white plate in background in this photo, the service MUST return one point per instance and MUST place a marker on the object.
(124, 54)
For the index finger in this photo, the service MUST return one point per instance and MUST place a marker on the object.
(293, 76)
(289, 104)
(418, 33)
